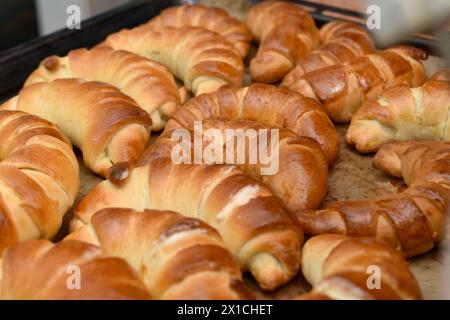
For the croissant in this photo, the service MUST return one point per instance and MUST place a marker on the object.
(176, 257)
(411, 221)
(106, 125)
(41, 270)
(442, 75)
(265, 104)
(402, 113)
(39, 178)
(202, 59)
(287, 33)
(339, 267)
(148, 82)
(212, 18)
(342, 42)
(342, 88)
(297, 171)
(253, 223)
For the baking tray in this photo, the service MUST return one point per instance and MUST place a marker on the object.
(352, 177)
(18, 62)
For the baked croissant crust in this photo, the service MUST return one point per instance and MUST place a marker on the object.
(266, 104)
(107, 126)
(442, 75)
(342, 88)
(296, 169)
(411, 221)
(148, 82)
(253, 223)
(342, 41)
(39, 178)
(69, 270)
(286, 33)
(341, 268)
(202, 59)
(176, 257)
(212, 18)
(402, 113)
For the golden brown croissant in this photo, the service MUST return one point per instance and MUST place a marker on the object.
(266, 104)
(343, 268)
(106, 125)
(442, 75)
(296, 169)
(176, 257)
(39, 178)
(402, 113)
(202, 59)
(253, 223)
(148, 82)
(211, 18)
(342, 88)
(411, 221)
(342, 42)
(69, 270)
(286, 33)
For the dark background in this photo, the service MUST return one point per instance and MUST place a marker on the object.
(18, 22)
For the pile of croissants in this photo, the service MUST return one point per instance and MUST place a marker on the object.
(154, 229)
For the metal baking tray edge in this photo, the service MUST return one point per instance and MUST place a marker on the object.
(18, 62)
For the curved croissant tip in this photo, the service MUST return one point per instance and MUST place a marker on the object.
(414, 52)
(51, 63)
(119, 172)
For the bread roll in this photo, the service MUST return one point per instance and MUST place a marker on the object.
(343, 268)
(411, 221)
(107, 126)
(176, 257)
(286, 32)
(39, 178)
(401, 114)
(202, 59)
(212, 18)
(69, 270)
(253, 223)
(148, 82)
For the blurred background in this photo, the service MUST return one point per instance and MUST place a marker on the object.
(18, 22)
(22, 20)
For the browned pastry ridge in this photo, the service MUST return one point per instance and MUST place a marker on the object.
(297, 171)
(69, 270)
(342, 41)
(212, 18)
(286, 32)
(106, 125)
(411, 221)
(202, 59)
(442, 75)
(253, 222)
(340, 267)
(402, 113)
(342, 88)
(265, 104)
(148, 82)
(39, 178)
(176, 257)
